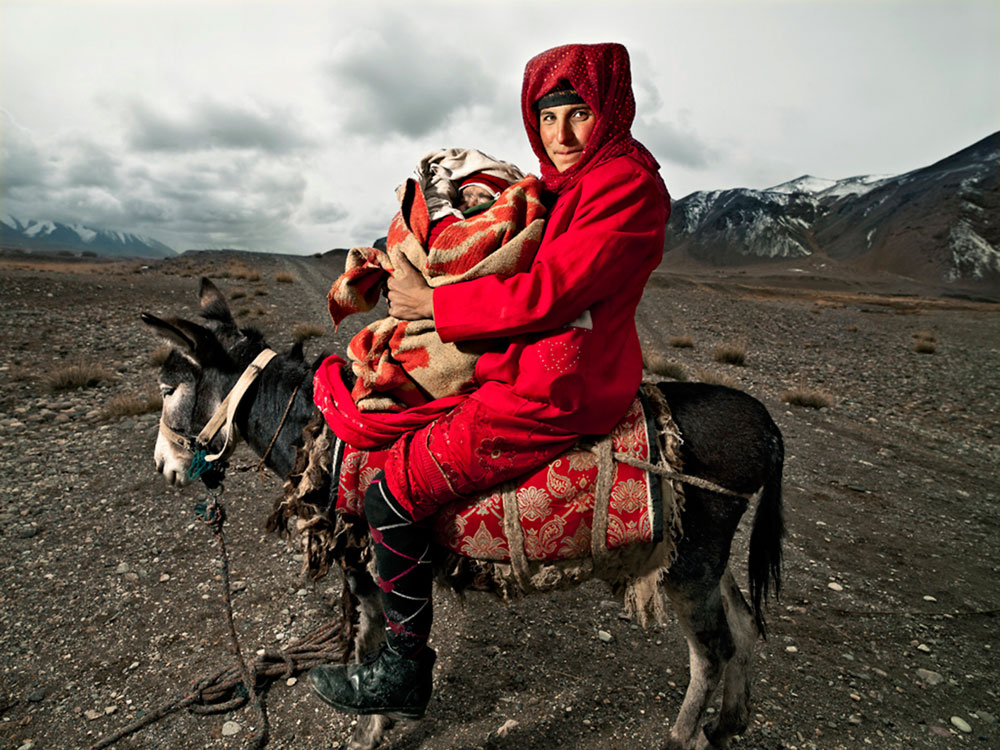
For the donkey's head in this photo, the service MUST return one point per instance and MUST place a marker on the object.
(204, 361)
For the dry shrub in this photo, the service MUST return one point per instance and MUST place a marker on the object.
(131, 405)
(714, 378)
(681, 342)
(925, 336)
(251, 312)
(658, 364)
(284, 277)
(925, 347)
(237, 294)
(305, 331)
(240, 271)
(731, 355)
(159, 355)
(809, 398)
(77, 375)
(259, 292)
(21, 374)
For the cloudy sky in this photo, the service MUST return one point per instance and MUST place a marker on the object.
(285, 126)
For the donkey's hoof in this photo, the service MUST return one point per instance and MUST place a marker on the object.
(709, 739)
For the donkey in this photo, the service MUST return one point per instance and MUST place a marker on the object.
(728, 439)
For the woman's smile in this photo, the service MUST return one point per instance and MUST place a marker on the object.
(564, 130)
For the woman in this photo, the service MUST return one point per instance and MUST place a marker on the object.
(566, 363)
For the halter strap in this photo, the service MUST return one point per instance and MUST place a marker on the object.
(225, 412)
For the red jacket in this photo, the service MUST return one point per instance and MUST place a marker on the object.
(573, 359)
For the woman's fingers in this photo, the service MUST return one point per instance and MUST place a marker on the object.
(410, 297)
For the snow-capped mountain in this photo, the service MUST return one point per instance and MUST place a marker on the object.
(53, 236)
(937, 223)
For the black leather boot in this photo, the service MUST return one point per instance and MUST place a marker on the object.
(385, 683)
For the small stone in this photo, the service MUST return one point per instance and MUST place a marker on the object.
(930, 678)
(929, 598)
(91, 714)
(131, 577)
(987, 717)
(230, 728)
(506, 728)
(28, 744)
(108, 710)
(834, 586)
(164, 577)
(122, 568)
(605, 636)
(792, 649)
(924, 647)
(239, 585)
(37, 696)
(302, 592)
(291, 681)
(854, 719)
(960, 724)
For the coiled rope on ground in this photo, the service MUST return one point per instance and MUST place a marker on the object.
(232, 687)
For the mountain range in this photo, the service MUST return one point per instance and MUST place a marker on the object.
(935, 224)
(52, 236)
(939, 224)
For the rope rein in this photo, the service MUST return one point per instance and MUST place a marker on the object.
(274, 437)
(230, 688)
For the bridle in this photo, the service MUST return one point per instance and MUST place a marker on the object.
(223, 419)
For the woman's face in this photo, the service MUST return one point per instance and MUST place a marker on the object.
(564, 131)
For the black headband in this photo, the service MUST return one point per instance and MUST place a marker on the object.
(558, 98)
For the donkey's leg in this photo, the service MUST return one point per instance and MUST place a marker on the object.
(735, 713)
(700, 612)
(698, 590)
(371, 728)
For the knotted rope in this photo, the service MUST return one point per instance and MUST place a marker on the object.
(230, 688)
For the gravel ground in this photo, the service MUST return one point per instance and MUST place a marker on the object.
(883, 637)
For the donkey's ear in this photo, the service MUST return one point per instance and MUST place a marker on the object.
(213, 304)
(195, 342)
(173, 334)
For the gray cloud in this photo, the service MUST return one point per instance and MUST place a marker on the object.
(23, 164)
(87, 163)
(409, 87)
(214, 125)
(325, 213)
(675, 144)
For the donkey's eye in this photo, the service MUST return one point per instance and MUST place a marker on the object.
(167, 390)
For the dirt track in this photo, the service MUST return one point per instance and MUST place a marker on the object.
(886, 626)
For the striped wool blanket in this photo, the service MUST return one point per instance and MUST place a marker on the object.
(400, 364)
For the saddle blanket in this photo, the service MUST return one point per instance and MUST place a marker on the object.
(556, 502)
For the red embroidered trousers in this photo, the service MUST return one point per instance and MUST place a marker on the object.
(470, 449)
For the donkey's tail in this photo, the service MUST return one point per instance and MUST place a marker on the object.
(768, 531)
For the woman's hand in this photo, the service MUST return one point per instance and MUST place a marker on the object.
(410, 297)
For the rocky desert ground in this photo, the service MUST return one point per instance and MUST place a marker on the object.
(884, 635)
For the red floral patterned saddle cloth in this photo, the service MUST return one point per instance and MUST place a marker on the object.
(556, 503)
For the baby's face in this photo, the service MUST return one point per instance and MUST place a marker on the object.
(473, 195)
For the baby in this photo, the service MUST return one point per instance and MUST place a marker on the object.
(476, 193)
(463, 215)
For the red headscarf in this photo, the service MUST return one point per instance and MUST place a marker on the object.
(601, 75)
